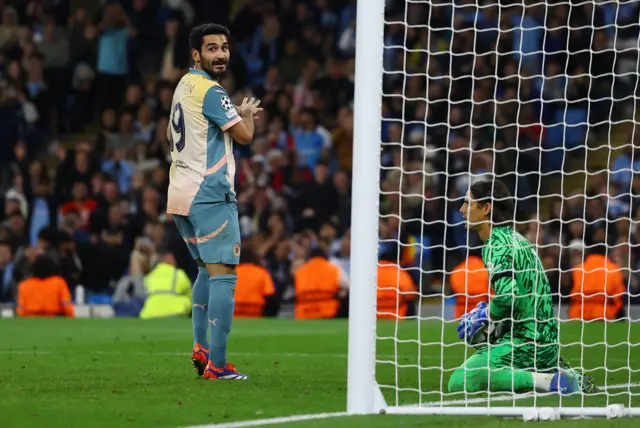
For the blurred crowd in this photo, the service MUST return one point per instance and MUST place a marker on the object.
(86, 90)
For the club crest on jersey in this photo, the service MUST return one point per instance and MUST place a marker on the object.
(236, 250)
(226, 103)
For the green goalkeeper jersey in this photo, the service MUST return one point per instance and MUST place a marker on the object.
(522, 304)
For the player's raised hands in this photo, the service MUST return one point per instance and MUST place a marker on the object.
(250, 107)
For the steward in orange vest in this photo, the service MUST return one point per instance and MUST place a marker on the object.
(597, 288)
(396, 289)
(45, 294)
(253, 286)
(319, 286)
(470, 284)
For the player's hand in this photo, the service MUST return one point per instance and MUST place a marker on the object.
(473, 322)
(249, 107)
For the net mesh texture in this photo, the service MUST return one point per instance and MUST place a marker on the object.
(541, 96)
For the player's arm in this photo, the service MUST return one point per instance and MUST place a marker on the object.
(243, 131)
(218, 108)
(246, 128)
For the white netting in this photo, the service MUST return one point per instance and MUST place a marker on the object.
(542, 96)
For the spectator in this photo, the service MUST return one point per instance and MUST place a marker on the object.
(46, 294)
(470, 285)
(311, 142)
(319, 200)
(598, 285)
(84, 112)
(168, 289)
(254, 287)
(321, 288)
(113, 62)
(7, 286)
(130, 292)
(396, 289)
(81, 203)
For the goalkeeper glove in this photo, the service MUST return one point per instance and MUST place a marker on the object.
(473, 322)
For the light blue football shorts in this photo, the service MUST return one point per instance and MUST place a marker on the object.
(213, 234)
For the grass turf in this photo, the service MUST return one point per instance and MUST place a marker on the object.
(127, 372)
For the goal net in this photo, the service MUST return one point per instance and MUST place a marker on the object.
(542, 96)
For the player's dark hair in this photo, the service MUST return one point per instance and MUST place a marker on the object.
(317, 252)
(47, 235)
(497, 194)
(44, 267)
(64, 237)
(198, 32)
(248, 255)
(389, 254)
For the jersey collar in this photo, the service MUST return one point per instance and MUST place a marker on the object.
(200, 72)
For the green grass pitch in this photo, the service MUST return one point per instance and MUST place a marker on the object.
(132, 373)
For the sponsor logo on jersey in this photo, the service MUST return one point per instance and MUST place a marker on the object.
(231, 113)
(236, 250)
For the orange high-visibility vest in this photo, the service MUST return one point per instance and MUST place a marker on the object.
(470, 283)
(253, 285)
(597, 290)
(317, 283)
(47, 297)
(395, 289)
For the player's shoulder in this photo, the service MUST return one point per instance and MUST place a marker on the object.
(501, 236)
(202, 86)
(500, 244)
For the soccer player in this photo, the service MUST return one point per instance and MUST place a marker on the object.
(201, 194)
(521, 352)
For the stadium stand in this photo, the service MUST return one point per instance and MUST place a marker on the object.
(85, 94)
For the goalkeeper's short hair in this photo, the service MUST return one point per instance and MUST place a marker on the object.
(496, 193)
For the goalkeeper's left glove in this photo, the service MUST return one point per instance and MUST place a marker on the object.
(473, 322)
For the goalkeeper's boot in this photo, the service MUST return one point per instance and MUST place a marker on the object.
(199, 358)
(564, 383)
(587, 384)
(229, 372)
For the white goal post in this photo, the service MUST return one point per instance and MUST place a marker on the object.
(380, 363)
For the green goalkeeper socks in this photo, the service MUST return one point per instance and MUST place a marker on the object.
(199, 308)
(483, 380)
(221, 306)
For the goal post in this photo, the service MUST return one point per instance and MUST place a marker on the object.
(450, 92)
(362, 392)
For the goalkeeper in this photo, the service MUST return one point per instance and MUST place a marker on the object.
(521, 352)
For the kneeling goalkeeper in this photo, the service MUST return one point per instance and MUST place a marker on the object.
(521, 352)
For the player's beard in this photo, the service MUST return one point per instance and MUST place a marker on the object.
(210, 68)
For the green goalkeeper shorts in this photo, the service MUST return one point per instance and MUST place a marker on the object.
(516, 355)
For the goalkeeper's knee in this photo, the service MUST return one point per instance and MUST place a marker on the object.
(468, 380)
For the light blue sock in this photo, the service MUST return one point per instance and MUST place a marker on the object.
(199, 310)
(221, 305)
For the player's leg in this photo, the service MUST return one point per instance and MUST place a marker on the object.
(480, 374)
(218, 233)
(549, 372)
(513, 367)
(200, 298)
(586, 383)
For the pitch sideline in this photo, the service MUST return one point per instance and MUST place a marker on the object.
(272, 421)
(517, 396)
(300, 418)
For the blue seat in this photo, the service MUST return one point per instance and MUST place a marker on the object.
(99, 299)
